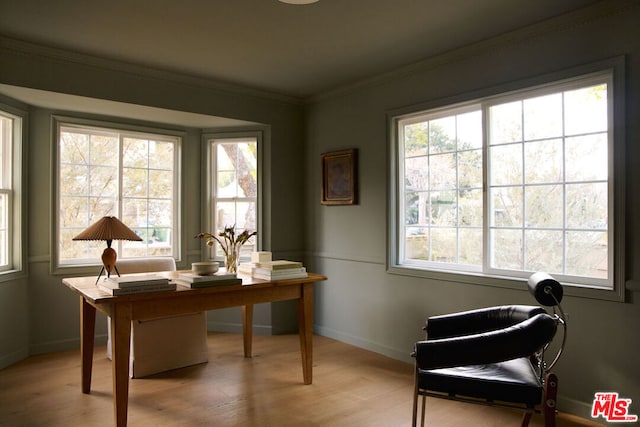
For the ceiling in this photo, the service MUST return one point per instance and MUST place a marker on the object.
(293, 50)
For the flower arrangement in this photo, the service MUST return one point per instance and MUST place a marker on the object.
(230, 242)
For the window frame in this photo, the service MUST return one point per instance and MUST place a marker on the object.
(59, 121)
(615, 68)
(208, 179)
(16, 157)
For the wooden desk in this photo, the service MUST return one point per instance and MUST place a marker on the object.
(124, 309)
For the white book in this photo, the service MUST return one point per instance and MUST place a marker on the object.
(280, 273)
(281, 264)
(195, 278)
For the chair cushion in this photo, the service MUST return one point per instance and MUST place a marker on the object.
(512, 381)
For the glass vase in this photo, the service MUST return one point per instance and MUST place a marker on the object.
(231, 260)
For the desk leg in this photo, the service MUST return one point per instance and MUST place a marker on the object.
(87, 334)
(247, 328)
(305, 329)
(120, 349)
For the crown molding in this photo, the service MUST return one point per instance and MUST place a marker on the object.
(30, 49)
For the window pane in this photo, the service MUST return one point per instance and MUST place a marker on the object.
(470, 246)
(442, 171)
(469, 130)
(544, 250)
(135, 153)
(134, 212)
(134, 182)
(104, 181)
(74, 148)
(505, 123)
(506, 207)
(470, 208)
(226, 184)
(543, 117)
(587, 206)
(444, 208)
(470, 169)
(416, 244)
(587, 158)
(103, 149)
(416, 139)
(586, 110)
(161, 155)
(416, 173)
(442, 135)
(416, 208)
(587, 254)
(161, 184)
(543, 161)
(76, 180)
(506, 249)
(544, 206)
(505, 164)
(444, 245)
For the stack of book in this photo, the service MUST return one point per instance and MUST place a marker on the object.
(135, 284)
(221, 278)
(279, 270)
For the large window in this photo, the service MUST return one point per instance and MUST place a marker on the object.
(10, 191)
(233, 186)
(511, 184)
(132, 175)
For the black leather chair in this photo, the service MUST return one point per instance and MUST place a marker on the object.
(494, 355)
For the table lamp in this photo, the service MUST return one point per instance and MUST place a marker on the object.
(108, 228)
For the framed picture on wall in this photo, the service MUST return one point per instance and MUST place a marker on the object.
(339, 178)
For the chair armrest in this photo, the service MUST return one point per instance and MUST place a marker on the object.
(519, 340)
(478, 321)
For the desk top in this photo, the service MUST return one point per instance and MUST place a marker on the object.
(86, 286)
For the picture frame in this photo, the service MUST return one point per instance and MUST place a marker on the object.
(339, 177)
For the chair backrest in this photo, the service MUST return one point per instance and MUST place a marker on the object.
(523, 338)
(478, 320)
(145, 265)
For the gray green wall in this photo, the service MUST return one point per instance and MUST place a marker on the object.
(365, 305)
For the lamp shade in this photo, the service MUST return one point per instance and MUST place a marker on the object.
(108, 228)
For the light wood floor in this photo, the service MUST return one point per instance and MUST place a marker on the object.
(351, 387)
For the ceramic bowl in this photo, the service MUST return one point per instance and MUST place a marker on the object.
(205, 268)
